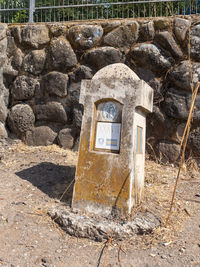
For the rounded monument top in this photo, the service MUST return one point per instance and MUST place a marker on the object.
(117, 70)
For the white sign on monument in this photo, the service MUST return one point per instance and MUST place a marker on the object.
(108, 135)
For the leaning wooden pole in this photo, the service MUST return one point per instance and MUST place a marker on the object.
(183, 146)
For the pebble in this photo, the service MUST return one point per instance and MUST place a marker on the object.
(182, 250)
(163, 257)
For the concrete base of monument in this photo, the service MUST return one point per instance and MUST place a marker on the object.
(100, 228)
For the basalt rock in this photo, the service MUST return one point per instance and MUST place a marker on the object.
(3, 110)
(17, 59)
(77, 115)
(103, 56)
(181, 75)
(40, 136)
(85, 36)
(21, 119)
(168, 151)
(35, 35)
(34, 62)
(150, 56)
(52, 112)
(82, 72)
(194, 140)
(147, 31)
(177, 105)
(3, 132)
(195, 42)
(3, 30)
(124, 35)
(66, 138)
(62, 55)
(55, 83)
(167, 42)
(24, 88)
(181, 27)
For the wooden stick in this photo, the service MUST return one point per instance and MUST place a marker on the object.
(184, 143)
(108, 245)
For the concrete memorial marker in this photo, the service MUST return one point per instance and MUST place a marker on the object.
(110, 171)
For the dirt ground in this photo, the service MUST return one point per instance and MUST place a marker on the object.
(33, 179)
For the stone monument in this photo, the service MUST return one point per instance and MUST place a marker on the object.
(110, 171)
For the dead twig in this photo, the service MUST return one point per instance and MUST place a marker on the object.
(107, 248)
(67, 189)
(120, 249)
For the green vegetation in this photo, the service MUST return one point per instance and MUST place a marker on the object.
(104, 11)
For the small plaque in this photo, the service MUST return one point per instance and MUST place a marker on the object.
(109, 111)
(108, 135)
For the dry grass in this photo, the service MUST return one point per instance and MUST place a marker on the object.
(159, 185)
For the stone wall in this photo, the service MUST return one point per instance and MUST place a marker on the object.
(42, 65)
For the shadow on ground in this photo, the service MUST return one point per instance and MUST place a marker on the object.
(52, 179)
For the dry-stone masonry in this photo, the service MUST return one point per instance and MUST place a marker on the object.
(42, 65)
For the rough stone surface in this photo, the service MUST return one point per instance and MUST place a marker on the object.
(66, 138)
(3, 132)
(9, 74)
(47, 48)
(110, 25)
(149, 77)
(52, 111)
(194, 140)
(3, 46)
(40, 136)
(3, 30)
(74, 92)
(169, 152)
(24, 88)
(124, 35)
(4, 92)
(179, 131)
(3, 110)
(162, 23)
(99, 229)
(82, 72)
(55, 83)
(35, 35)
(34, 62)
(62, 55)
(158, 125)
(21, 119)
(57, 29)
(17, 59)
(11, 46)
(181, 27)
(150, 56)
(103, 56)
(77, 115)
(147, 31)
(177, 105)
(16, 33)
(167, 42)
(85, 36)
(181, 75)
(195, 42)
